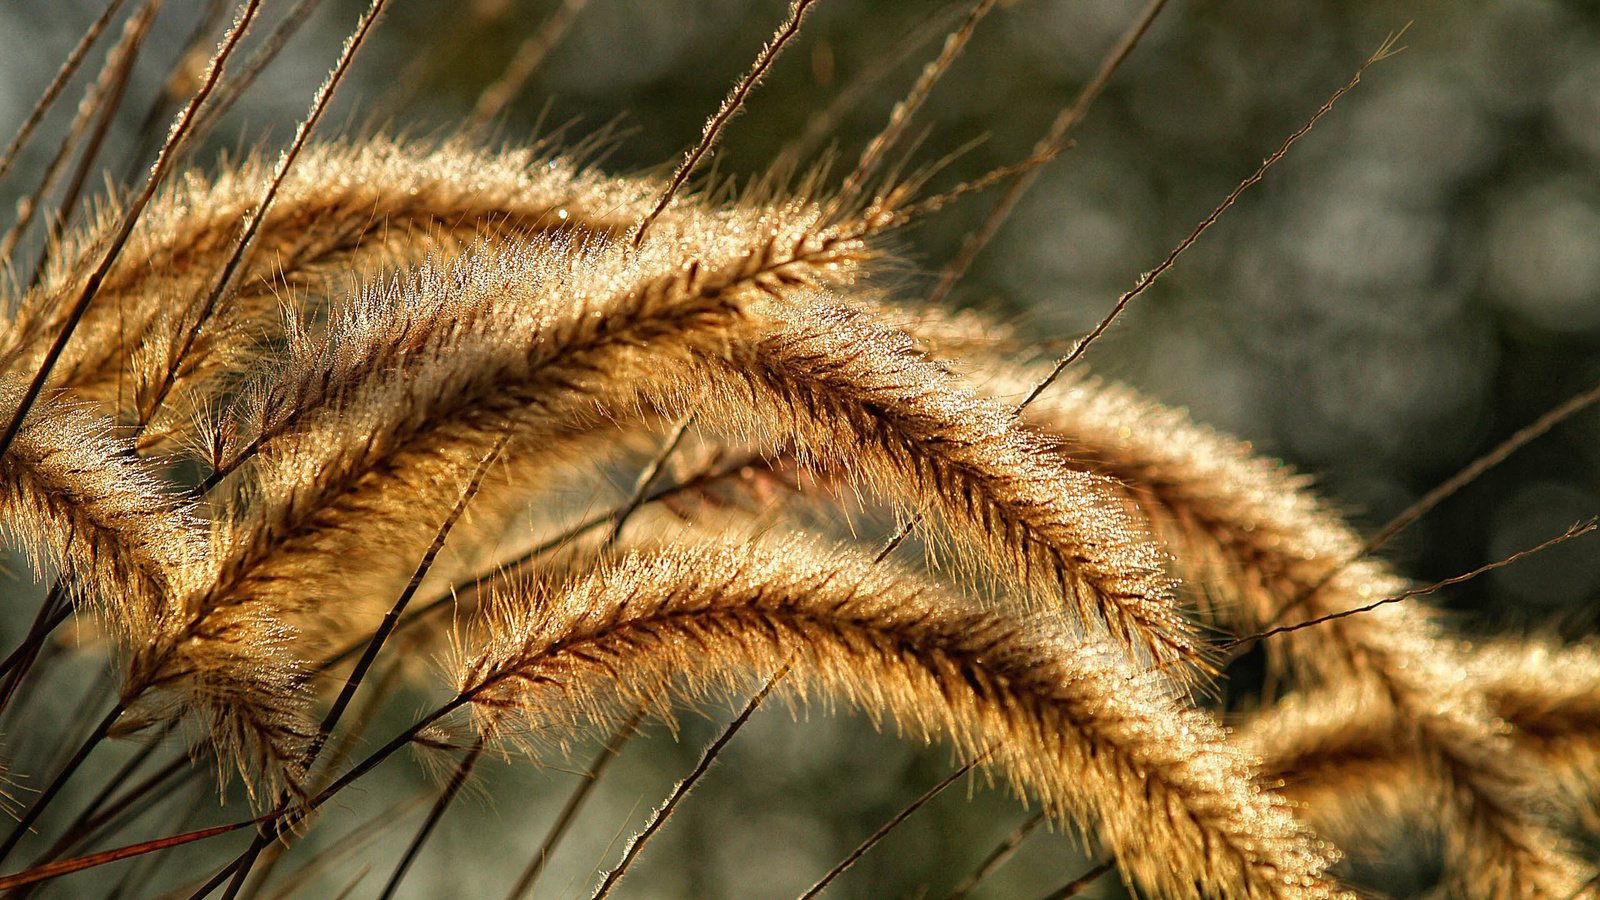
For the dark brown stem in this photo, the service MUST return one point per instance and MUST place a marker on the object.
(37, 807)
(434, 815)
(375, 644)
(53, 610)
(94, 818)
(683, 787)
(997, 857)
(1080, 884)
(883, 832)
(570, 809)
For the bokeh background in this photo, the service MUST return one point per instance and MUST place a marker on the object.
(1416, 280)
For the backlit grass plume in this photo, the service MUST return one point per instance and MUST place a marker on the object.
(476, 449)
(1095, 740)
(1263, 548)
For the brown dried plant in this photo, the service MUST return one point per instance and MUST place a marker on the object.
(278, 431)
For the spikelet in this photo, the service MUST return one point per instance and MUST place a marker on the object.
(851, 395)
(1336, 753)
(500, 300)
(1343, 753)
(233, 679)
(1095, 740)
(343, 211)
(532, 338)
(78, 498)
(383, 414)
(1551, 696)
(1247, 529)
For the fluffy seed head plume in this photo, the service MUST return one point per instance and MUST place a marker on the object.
(1097, 741)
(1249, 530)
(532, 338)
(1551, 696)
(346, 210)
(1343, 753)
(79, 498)
(233, 679)
(851, 394)
(383, 413)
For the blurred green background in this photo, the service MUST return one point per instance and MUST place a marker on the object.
(1417, 280)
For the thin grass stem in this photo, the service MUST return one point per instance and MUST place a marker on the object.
(658, 818)
(1054, 137)
(883, 831)
(647, 480)
(457, 779)
(527, 58)
(1149, 278)
(997, 857)
(573, 806)
(37, 807)
(900, 117)
(1448, 488)
(1082, 883)
(99, 105)
(358, 837)
(379, 637)
(119, 74)
(147, 136)
(268, 50)
(52, 91)
(824, 122)
(724, 114)
(1576, 531)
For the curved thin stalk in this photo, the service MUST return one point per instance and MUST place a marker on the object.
(457, 779)
(570, 809)
(883, 831)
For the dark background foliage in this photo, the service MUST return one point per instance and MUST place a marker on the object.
(1418, 279)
